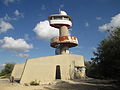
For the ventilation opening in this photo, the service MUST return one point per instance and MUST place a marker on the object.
(58, 73)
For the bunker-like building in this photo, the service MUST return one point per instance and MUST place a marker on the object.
(62, 66)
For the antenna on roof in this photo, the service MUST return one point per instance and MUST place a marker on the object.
(59, 10)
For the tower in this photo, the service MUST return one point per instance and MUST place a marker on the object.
(64, 41)
(48, 69)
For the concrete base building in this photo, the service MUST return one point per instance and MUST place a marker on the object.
(17, 71)
(51, 68)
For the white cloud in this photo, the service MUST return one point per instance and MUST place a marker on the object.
(8, 18)
(87, 24)
(114, 23)
(62, 5)
(18, 45)
(6, 2)
(18, 13)
(98, 18)
(93, 48)
(22, 55)
(79, 47)
(5, 26)
(2, 65)
(45, 31)
(26, 36)
(43, 7)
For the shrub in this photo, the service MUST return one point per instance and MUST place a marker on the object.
(34, 83)
(7, 70)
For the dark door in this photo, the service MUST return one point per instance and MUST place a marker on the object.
(58, 73)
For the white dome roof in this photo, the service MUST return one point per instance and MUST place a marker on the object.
(63, 13)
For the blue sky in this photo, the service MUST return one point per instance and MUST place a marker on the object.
(19, 18)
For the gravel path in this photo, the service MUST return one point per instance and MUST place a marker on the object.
(88, 84)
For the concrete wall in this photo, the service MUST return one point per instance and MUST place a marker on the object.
(44, 69)
(17, 71)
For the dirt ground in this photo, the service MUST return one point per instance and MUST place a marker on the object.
(87, 84)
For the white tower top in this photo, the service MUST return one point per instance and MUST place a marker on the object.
(61, 19)
(63, 13)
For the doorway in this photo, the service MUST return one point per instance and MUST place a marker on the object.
(58, 72)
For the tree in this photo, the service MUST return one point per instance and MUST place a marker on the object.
(88, 65)
(106, 62)
(7, 70)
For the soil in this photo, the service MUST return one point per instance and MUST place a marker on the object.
(85, 84)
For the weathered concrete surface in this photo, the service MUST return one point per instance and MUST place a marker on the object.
(17, 71)
(44, 69)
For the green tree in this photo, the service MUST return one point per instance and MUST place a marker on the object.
(88, 65)
(7, 70)
(106, 63)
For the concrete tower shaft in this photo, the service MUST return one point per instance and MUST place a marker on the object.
(63, 31)
(64, 41)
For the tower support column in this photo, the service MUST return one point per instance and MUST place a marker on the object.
(63, 31)
(64, 50)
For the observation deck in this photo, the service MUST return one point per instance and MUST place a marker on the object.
(58, 20)
(69, 41)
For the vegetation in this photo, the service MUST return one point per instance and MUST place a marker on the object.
(106, 63)
(88, 65)
(34, 83)
(7, 70)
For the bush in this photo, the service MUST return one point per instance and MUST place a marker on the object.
(7, 70)
(34, 83)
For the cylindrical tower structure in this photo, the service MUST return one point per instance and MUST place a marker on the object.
(63, 31)
(64, 41)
